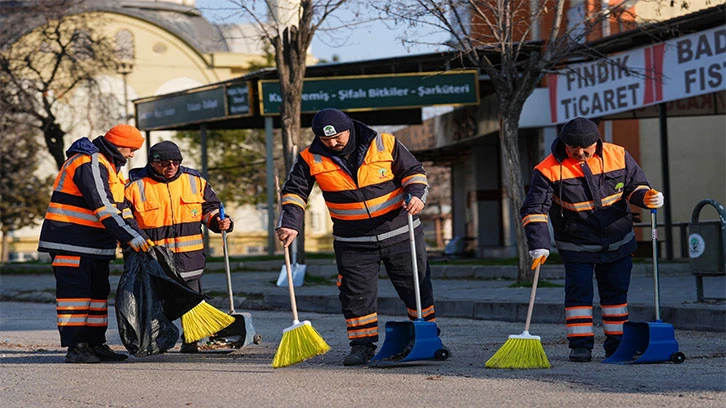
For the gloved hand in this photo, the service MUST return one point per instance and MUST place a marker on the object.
(140, 244)
(539, 256)
(653, 199)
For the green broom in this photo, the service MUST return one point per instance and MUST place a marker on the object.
(203, 321)
(523, 350)
(300, 341)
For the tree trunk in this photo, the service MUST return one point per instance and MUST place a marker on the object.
(509, 143)
(3, 248)
(54, 140)
(291, 71)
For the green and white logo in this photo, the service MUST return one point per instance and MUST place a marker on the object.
(619, 186)
(329, 131)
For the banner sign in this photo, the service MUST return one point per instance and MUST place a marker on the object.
(378, 91)
(194, 107)
(238, 100)
(680, 68)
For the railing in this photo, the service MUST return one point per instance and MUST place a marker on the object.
(683, 234)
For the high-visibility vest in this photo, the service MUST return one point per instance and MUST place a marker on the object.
(73, 224)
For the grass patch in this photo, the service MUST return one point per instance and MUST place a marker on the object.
(318, 280)
(542, 284)
(552, 259)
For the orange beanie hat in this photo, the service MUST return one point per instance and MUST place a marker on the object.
(124, 135)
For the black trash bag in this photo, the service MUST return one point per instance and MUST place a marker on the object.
(142, 324)
(173, 291)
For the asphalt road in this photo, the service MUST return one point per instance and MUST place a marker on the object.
(32, 372)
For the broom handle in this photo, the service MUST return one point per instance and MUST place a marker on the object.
(226, 262)
(286, 250)
(288, 269)
(531, 298)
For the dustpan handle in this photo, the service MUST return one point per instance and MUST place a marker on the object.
(656, 281)
(532, 295)
(414, 262)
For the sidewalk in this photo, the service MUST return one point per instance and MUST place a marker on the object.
(468, 291)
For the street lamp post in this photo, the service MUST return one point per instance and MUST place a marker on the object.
(125, 68)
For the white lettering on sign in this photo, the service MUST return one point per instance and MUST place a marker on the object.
(681, 68)
(210, 104)
(387, 92)
(345, 94)
(237, 109)
(442, 90)
(274, 97)
(316, 96)
(237, 91)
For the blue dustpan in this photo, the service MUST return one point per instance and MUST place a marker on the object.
(411, 340)
(644, 343)
(653, 342)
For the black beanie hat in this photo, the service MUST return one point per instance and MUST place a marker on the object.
(165, 150)
(330, 122)
(579, 132)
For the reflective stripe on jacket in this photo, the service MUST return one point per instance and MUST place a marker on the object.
(86, 211)
(587, 203)
(365, 204)
(171, 212)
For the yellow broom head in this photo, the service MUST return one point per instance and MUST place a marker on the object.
(202, 321)
(520, 351)
(299, 342)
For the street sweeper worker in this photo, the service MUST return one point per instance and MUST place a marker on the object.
(86, 219)
(584, 188)
(365, 178)
(171, 202)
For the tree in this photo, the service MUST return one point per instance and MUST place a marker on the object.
(236, 167)
(51, 56)
(289, 28)
(494, 36)
(23, 195)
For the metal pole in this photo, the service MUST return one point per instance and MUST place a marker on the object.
(270, 167)
(205, 174)
(126, 99)
(663, 117)
(656, 281)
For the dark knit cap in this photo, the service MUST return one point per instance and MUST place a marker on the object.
(330, 122)
(165, 150)
(579, 132)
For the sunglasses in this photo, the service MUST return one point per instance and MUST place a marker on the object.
(168, 163)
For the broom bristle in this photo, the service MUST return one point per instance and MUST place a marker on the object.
(202, 321)
(520, 351)
(299, 342)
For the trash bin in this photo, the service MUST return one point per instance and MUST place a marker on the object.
(706, 242)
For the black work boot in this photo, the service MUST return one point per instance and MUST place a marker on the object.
(104, 352)
(81, 354)
(580, 355)
(360, 354)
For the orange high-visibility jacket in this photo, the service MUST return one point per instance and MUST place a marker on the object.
(365, 206)
(171, 212)
(587, 203)
(87, 214)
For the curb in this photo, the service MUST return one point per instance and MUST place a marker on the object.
(685, 317)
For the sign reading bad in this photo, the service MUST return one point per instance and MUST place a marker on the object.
(378, 92)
